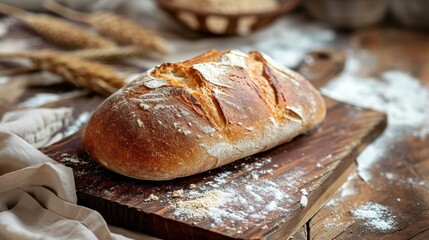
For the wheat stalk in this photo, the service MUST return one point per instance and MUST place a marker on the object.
(58, 31)
(97, 77)
(117, 27)
(115, 54)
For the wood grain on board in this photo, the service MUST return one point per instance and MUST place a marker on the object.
(314, 162)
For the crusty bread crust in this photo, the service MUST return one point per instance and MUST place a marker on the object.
(184, 118)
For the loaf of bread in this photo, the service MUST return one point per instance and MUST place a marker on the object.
(184, 118)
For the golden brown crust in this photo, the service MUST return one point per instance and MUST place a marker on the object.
(184, 118)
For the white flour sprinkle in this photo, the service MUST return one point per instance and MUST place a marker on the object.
(75, 162)
(219, 202)
(402, 180)
(4, 80)
(400, 95)
(140, 123)
(303, 201)
(71, 159)
(304, 198)
(272, 206)
(42, 98)
(347, 188)
(39, 99)
(389, 176)
(199, 206)
(151, 197)
(397, 93)
(376, 217)
(289, 47)
(423, 132)
(177, 193)
(77, 124)
(67, 158)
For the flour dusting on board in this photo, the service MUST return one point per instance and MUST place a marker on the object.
(263, 197)
(199, 206)
(76, 162)
(396, 93)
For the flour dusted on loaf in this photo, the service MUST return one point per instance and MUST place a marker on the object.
(184, 118)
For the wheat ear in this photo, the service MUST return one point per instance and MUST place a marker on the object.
(58, 31)
(97, 77)
(115, 54)
(117, 27)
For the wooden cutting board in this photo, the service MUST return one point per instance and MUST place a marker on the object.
(258, 197)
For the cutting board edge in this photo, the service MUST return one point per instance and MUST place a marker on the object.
(285, 229)
(99, 204)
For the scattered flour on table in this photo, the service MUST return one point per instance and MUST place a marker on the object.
(42, 98)
(323, 161)
(376, 216)
(39, 99)
(347, 189)
(4, 80)
(77, 124)
(292, 40)
(406, 181)
(396, 93)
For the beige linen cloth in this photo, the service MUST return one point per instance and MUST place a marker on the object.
(38, 195)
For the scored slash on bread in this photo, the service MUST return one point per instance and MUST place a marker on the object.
(184, 118)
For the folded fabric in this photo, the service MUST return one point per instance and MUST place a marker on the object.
(37, 126)
(38, 197)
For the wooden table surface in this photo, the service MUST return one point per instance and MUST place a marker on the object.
(400, 176)
(393, 203)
